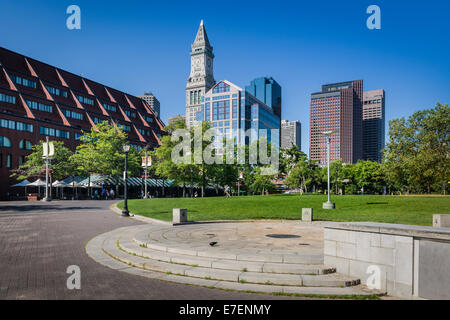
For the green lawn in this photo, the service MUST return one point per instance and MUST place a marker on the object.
(416, 210)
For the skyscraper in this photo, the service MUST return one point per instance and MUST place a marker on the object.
(337, 107)
(291, 134)
(201, 78)
(152, 102)
(268, 91)
(373, 124)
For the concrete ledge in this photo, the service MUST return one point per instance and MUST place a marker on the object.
(408, 261)
(393, 229)
(441, 220)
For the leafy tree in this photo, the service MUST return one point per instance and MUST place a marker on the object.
(304, 174)
(336, 174)
(34, 163)
(101, 151)
(261, 183)
(417, 156)
(288, 158)
(369, 176)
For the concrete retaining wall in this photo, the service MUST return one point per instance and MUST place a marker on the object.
(413, 261)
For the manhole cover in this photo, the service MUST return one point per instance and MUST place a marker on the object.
(282, 236)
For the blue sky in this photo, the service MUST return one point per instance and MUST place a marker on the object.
(138, 46)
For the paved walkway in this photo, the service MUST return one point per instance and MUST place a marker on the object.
(38, 241)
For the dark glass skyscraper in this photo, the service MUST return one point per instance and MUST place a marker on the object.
(268, 91)
(373, 124)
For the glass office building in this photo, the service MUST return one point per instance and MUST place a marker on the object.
(230, 108)
(268, 91)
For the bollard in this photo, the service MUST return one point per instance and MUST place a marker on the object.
(179, 215)
(307, 214)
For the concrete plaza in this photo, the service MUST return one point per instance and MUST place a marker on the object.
(38, 241)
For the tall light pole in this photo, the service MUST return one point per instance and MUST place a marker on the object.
(125, 212)
(47, 153)
(145, 173)
(328, 204)
(241, 176)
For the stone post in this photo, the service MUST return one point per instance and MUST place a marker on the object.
(307, 214)
(179, 215)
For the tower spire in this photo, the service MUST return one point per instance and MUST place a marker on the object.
(201, 39)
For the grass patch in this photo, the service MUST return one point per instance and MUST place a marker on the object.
(326, 296)
(416, 210)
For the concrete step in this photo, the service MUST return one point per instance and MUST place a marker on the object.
(226, 264)
(104, 250)
(217, 253)
(112, 247)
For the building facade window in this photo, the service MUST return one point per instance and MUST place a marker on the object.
(23, 81)
(129, 113)
(8, 161)
(16, 125)
(144, 132)
(124, 127)
(25, 145)
(98, 120)
(78, 136)
(5, 142)
(85, 100)
(39, 106)
(7, 98)
(72, 114)
(56, 91)
(148, 119)
(221, 87)
(109, 107)
(55, 132)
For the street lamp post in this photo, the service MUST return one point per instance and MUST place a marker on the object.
(47, 154)
(328, 204)
(239, 183)
(145, 174)
(125, 212)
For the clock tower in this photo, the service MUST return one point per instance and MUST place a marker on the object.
(201, 78)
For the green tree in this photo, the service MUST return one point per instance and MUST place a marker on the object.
(417, 156)
(34, 163)
(369, 176)
(336, 174)
(101, 152)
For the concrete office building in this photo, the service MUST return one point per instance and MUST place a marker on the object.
(337, 107)
(291, 134)
(152, 102)
(39, 100)
(373, 124)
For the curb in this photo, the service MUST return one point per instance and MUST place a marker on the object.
(113, 207)
(95, 250)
